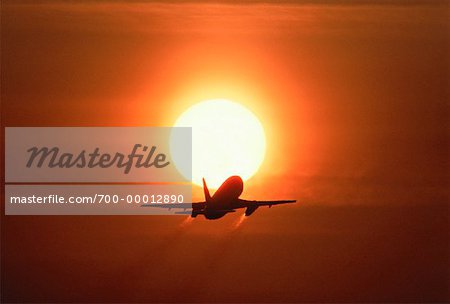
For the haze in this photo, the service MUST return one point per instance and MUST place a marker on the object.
(354, 100)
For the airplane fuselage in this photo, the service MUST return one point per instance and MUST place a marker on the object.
(225, 199)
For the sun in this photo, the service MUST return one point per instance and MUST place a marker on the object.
(227, 139)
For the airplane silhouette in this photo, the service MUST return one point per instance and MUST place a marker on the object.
(225, 200)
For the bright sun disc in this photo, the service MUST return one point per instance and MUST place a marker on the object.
(227, 139)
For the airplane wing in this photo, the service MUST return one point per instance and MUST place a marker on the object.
(247, 203)
(253, 205)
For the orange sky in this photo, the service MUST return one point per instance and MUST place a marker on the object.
(350, 94)
(354, 99)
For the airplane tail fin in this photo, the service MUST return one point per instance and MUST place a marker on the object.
(206, 191)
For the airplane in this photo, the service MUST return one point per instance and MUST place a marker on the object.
(225, 200)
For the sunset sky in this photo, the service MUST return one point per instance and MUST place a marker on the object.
(353, 97)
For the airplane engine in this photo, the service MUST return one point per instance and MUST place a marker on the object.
(250, 210)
